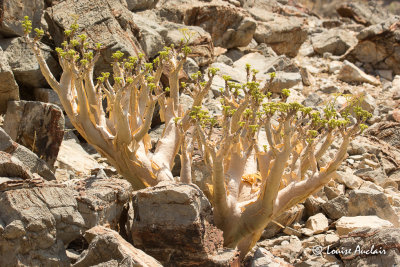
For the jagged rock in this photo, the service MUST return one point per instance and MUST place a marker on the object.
(38, 222)
(12, 167)
(8, 86)
(138, 5)
(24, 63)
(200, 41)
(13, 12)
(351, 73)
(317, 223)
(101, 201)
(382, 243)
(285, 35)
(378, 204)
(337, 207)
(287, 218)
(27, 157)
(74, 158)
(229, 26)
(334, 41)
(36, 125)
(263, 257)
(105, 21)
(378, 46)
(288, 248)
(363, 13)
(108, 248)
(386, 131)
(174, 224)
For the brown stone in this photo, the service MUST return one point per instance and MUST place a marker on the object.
(37, 126)
(174, 224)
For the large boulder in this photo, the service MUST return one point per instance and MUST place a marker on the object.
(8, 86)
(24, 63)
(229, 26)
(101, 201)
(380, 247)
(378, 46)
(334, 41)
(26, 156)
(378, 204)
(108, 248)
(13, 12)
(105, 21)
(36, 224)
(174, 224)
(36, 125)
(73, 158)
(284, 34)
(345, 225)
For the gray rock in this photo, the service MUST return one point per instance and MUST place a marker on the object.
(284, 80)
(8, 86)
(266, 50)
(312, 100)
(150, 39)
(224, 59)
(13, 12)
(335, 41)
(313, 205)
(39, 222)
(385, 241)
(138, 5)
(27, 157)
(288, 248)
(36, 125)
(336, 208)
(378, 204)
(263, 257)
(285, 35)
(24, 63)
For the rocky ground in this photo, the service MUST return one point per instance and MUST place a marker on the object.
(62, 204)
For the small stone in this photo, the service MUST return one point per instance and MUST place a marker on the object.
(317, 223)
(290, 231)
